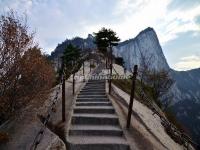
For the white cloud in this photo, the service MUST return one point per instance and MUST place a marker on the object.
(179, 21)
(54, 21)
(187, 63)
(189, 58)
(19, 5)
(136, 15)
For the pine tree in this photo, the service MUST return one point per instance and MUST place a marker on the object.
(104, 39)
(72, 60)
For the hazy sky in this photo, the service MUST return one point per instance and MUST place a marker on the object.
(176, 22)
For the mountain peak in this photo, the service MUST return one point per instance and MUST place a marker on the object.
(145, 46)
(146, 31)
(90, 36)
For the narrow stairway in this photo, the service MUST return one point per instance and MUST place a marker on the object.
(94, 124)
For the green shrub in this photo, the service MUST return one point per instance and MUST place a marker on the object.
(92, 66)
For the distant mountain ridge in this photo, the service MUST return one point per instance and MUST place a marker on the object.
(189, 83)
(187, 94)
(81, 43)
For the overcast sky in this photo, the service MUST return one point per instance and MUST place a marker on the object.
(176, 22)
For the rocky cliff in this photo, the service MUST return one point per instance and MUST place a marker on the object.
(145, 46)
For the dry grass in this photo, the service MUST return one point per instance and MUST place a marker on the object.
(58, 128)
(4, 137)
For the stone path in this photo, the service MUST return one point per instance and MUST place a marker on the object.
(94, 123)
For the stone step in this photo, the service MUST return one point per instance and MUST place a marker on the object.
(95, 119)
(95, 84)
(93, 90)
(92, 96)
(102, 83)
(101, 130)
(99, 82)
(97, 143)
(92, 84)
(92, 93)
(92, 100)
(93, 104)
(94, 109)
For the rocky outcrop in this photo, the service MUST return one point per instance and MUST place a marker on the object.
(144, 47)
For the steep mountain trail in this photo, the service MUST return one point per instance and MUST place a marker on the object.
(94, 124)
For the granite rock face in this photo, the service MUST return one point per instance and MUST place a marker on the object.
(145, 46)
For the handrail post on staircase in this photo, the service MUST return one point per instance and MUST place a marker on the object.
(73, 83)
(63, 93)
(63, 99)
(83, 71)
(90, 65)
(111, 62)
(132, 97)
(110, 80)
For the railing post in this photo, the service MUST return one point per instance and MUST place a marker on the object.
(73, 84)
(63, 90)
(63, 98)
(90, 65)
(111, 62)
(83, 71)
(110, 78)
(131, 97)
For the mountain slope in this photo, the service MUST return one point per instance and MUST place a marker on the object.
(87, 43)
(188, 82)
(187, 109)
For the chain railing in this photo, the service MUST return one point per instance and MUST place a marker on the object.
(177, 135)
(39, 136)
(115, 70)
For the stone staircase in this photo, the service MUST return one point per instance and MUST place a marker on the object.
(94, 124)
